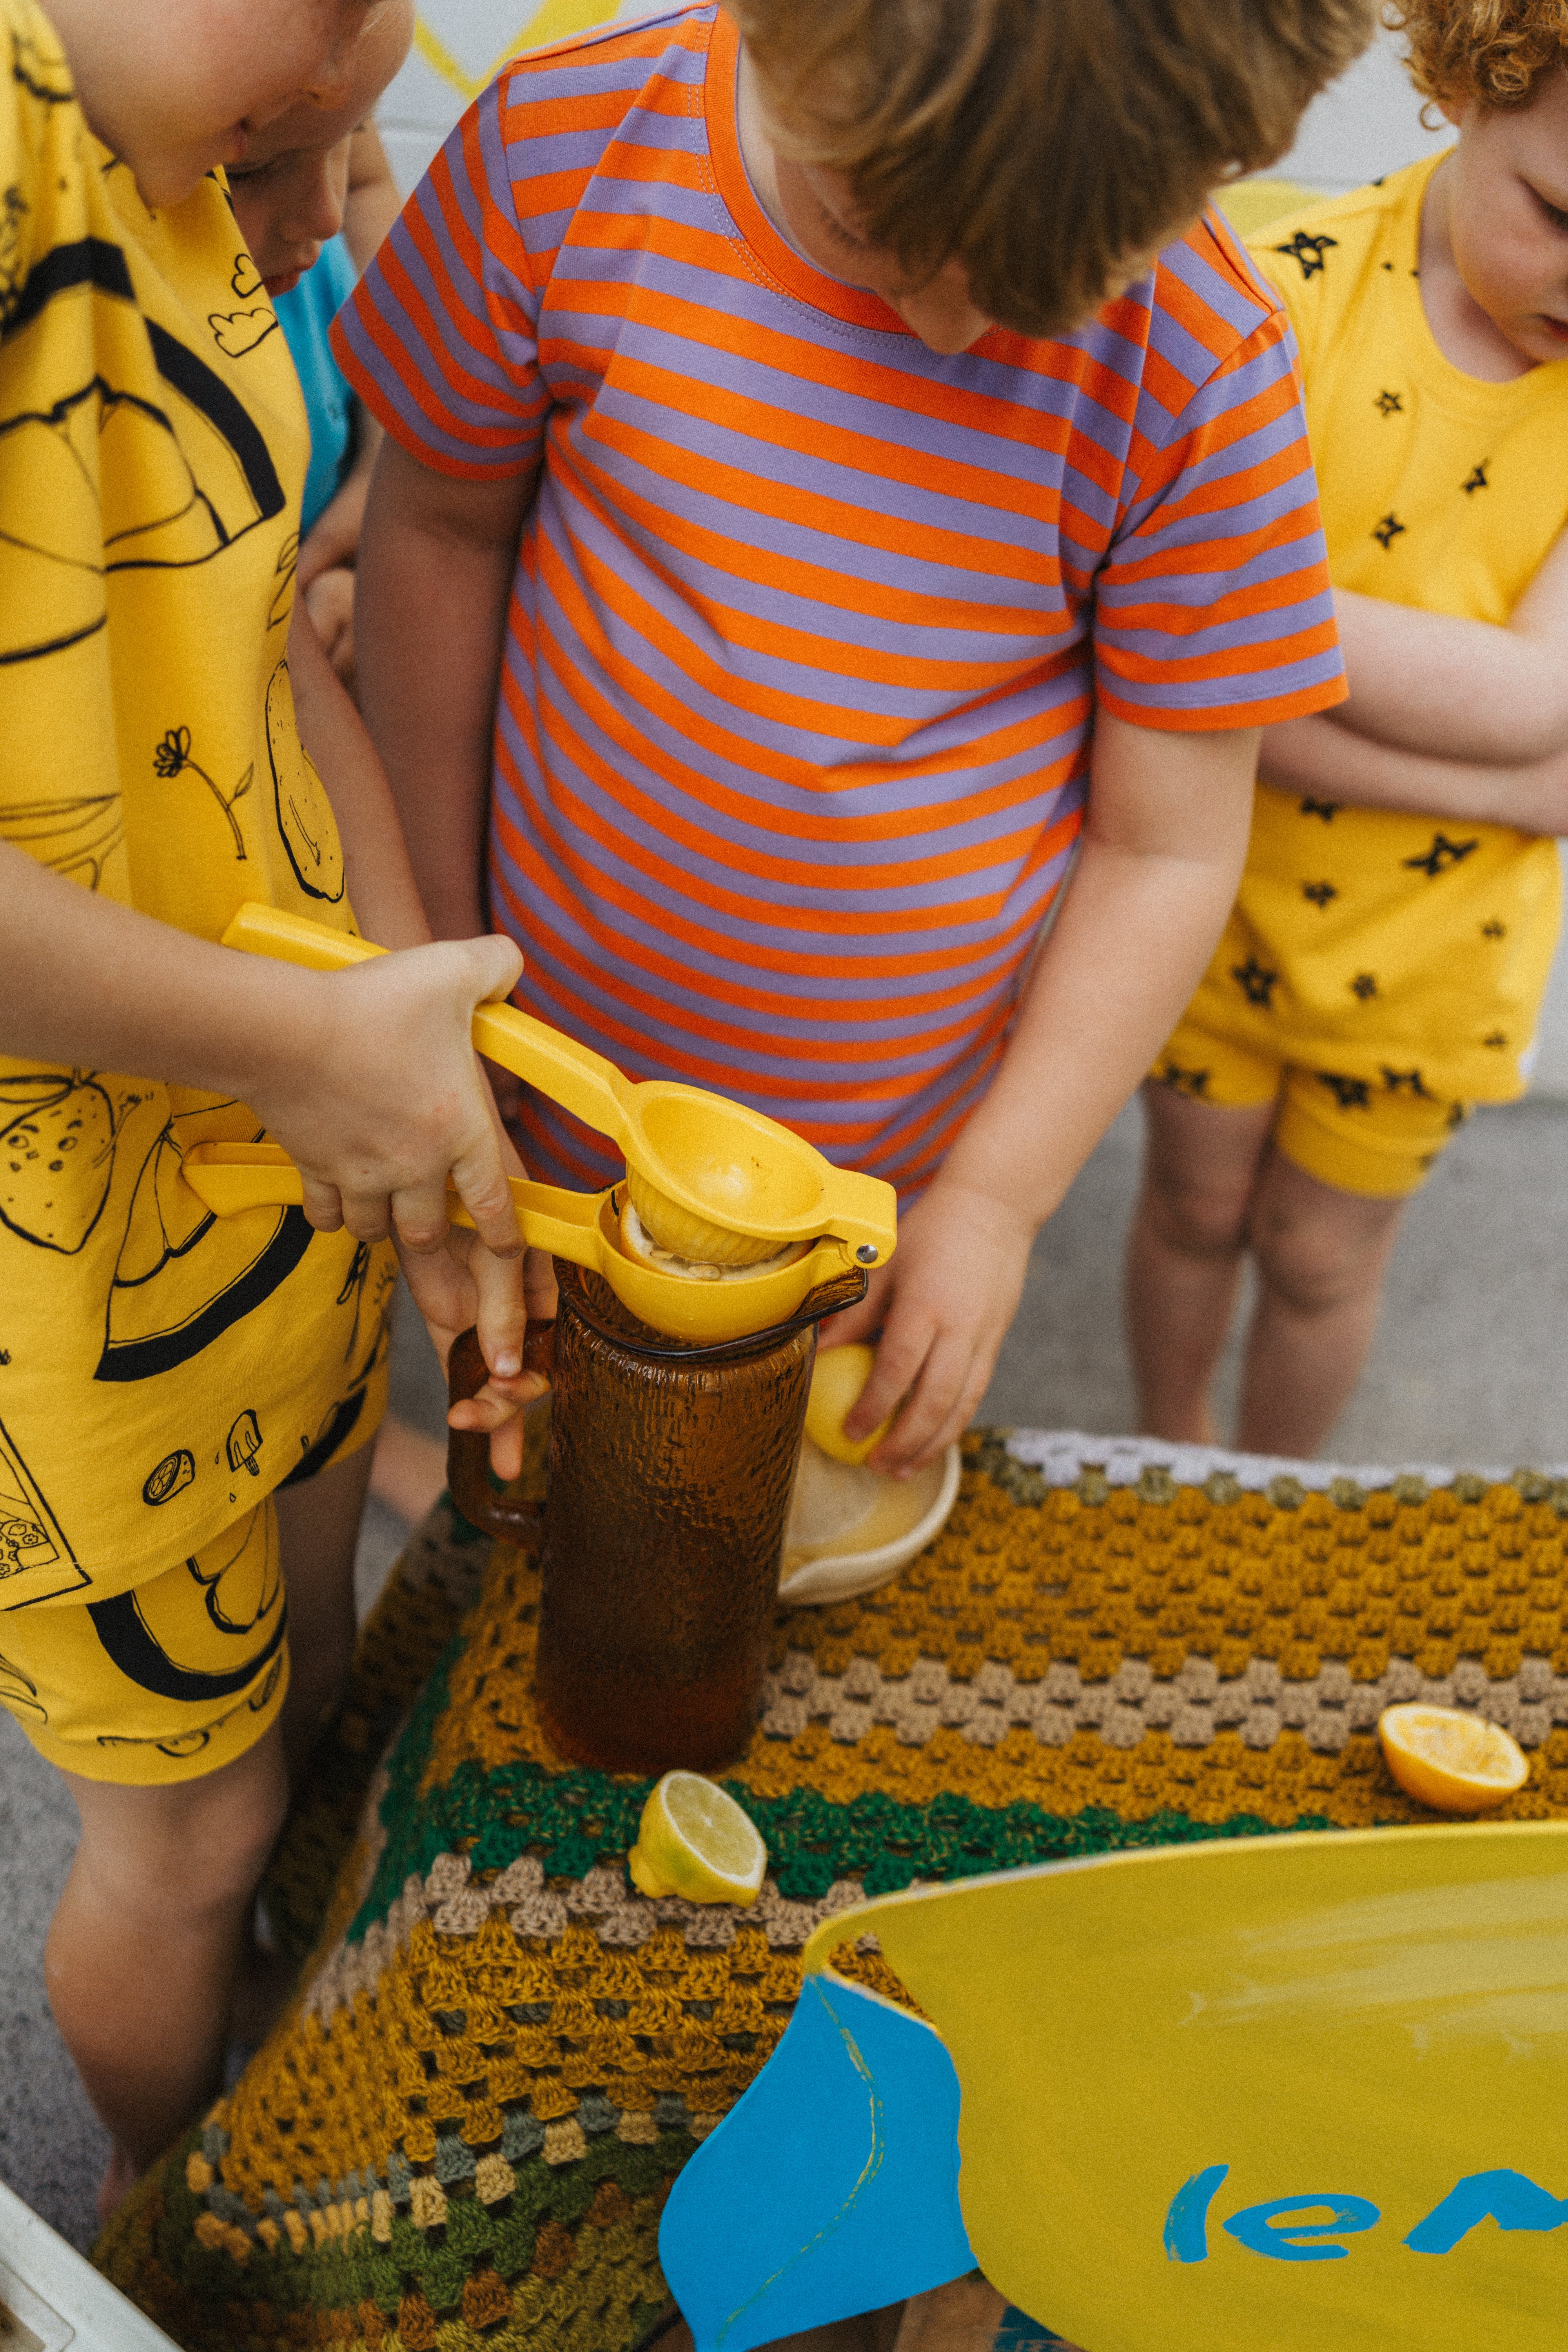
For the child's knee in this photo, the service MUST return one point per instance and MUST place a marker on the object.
(1315, 1254)
(1195, 1215)
(195, 1847)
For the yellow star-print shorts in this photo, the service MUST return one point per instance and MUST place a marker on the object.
(175, 1678)
(1378, 1135)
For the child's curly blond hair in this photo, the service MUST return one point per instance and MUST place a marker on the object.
(1494, 50)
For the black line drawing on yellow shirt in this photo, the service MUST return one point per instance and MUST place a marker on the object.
(13, 210)
(1494, 930)
(245, 280)
(1442, 855)
(1320, 895)
(75, 835)
(1399, 1082)
(1193, 1083)
(173, 757)
(282, 603)
(56, 1157)
(179, 485)
(1458, 1114)
(1351, 1093)
(244, 1586)
(183, 1276)
(171, 1477)
(1389, 404)
(305, 817)
(19, 1692)
(182, 1744)
(1389, 529)
(1308, 251)
(124, 1631)
(1478, 478)
(1364, 986)
(237, 333)
(34, 1546)
(1497, 1040)
(244, 1442)
(45, 77)
(1327, 810)
(1256, 982)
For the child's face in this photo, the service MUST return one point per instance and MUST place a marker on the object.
(176, 86)
(289, 190)
(1508, 217)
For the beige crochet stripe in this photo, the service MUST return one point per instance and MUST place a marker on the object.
(456, 1905)
(1190, 1708)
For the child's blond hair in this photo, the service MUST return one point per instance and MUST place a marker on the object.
(1494, 50)
(1052, 146)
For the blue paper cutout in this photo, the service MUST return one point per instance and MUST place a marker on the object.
(831, 2188)
(1186, 2223)
(1511, 2200)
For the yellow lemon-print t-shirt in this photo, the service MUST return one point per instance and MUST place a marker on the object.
(1371, 944)
(160, 1369)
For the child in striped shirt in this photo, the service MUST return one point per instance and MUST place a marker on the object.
(837, 476)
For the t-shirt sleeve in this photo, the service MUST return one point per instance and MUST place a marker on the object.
(1213, 605)
(439, 338)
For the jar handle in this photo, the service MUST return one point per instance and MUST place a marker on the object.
(468, 1450)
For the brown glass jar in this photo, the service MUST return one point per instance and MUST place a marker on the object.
(670, 1468)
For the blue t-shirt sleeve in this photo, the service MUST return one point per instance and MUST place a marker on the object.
(305, 315)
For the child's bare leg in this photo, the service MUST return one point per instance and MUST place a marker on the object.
(1201, 1164)
(1322, 1255)
(318, 1527)
(142, 1949)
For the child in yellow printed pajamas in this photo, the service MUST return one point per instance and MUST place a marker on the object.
(185, 1401)
(1384, 966)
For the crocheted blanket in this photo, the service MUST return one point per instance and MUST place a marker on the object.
(463, 2130)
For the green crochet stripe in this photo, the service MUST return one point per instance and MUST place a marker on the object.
(341, 2274)
(576, 1818)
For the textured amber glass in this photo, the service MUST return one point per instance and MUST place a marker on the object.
(669, 1482)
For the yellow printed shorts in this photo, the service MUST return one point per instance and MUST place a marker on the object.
(175, 1678)
(1378, 1136)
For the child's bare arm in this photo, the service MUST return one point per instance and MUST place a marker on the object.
(439, 555)
(1461, 690)
(1331, 762)
(1163, 845)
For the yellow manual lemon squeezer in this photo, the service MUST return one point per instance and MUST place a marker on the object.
(709, 1180)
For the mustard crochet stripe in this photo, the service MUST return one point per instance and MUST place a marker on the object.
(500, 2054)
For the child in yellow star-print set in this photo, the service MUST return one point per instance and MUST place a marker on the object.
(1384, 970)
(1381, 970)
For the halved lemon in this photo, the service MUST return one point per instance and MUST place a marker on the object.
(695, 1840)
(837, 1378)
(1456, 1763)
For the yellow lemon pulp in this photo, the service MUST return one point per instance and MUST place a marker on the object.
(836, 1380)
(695, 1840)
(1454, 1762)
(670, 1227)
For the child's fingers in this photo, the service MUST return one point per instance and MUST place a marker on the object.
(500, 1313)
(951, 1384)
(323, 1204)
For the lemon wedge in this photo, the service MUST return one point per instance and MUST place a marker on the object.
(837, 1377)
(1454, 1762)
(695, 1840)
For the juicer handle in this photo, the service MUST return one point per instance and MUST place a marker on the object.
(582, 1081)
(227, 1177)
(511, 1518)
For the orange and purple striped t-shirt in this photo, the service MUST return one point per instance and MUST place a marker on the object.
(808, 622)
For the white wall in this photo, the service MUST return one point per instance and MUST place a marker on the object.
(1370, 122)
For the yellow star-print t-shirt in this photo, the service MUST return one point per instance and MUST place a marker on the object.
(160, 1369)
(1365, 938)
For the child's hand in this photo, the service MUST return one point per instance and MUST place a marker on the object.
(330, 603)
(944, 1303)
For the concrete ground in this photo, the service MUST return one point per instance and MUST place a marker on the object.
(1470, 1368)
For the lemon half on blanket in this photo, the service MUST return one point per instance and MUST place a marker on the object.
(695, 1840)
(1456, 1763)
